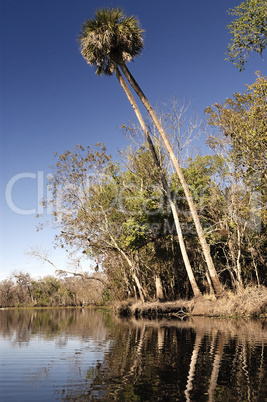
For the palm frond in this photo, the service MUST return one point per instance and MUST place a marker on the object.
(110, 38)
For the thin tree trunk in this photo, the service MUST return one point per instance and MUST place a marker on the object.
(159, 290)
(139, 286)
(238, 265)
(133, 273)
(211, 291)
(131, 264)
(219, 291)
(166, 187)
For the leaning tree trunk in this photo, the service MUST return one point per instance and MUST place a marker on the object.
(130, 263)
(166, 187)
(219, 291)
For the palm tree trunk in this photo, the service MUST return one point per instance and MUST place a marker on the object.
(166, 187)
(219, 291)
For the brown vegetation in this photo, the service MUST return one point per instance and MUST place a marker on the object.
(251, 301)
(21, 290)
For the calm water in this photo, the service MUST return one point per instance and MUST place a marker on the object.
(73, 355)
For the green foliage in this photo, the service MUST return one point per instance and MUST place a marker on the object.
(249, 30)
(243, 119)
(243, 122)
(200, 174)
(118, 214)
(142, 198)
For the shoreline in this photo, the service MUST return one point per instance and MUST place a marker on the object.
(249, 302)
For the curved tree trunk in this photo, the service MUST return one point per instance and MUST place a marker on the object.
(166, 187)
(130, 263)
(219, 291)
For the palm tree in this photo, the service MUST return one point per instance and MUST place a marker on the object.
(110, 41)
(108, 70)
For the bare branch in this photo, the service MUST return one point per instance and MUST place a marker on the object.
(43, 255)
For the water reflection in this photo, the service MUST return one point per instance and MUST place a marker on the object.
(90, 355)
(21, 326)
(197, 360)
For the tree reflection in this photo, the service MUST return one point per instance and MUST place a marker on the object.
(21, 326)
(198, 359)
(191, 373)
(201, 359)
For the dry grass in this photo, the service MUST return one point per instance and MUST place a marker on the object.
(251, 301)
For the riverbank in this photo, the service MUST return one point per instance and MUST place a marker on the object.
(249, 302)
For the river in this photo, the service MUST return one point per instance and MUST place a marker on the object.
(90, 355)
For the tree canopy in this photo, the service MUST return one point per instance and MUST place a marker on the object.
(118, 216)
(249, 30)
(243, 120)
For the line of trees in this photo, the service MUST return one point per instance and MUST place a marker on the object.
(119, 213)
(21, 290)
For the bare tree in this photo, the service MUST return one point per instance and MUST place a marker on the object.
(43, 255)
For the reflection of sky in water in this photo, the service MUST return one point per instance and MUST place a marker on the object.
(47, 366)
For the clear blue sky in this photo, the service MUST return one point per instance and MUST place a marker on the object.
(51, 99)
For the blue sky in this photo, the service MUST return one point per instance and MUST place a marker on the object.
(51, 99)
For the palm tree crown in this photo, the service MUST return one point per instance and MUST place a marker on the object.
(110, 39)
